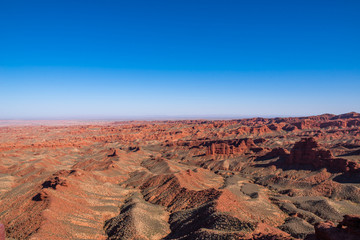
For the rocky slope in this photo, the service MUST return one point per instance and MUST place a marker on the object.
(258, 178)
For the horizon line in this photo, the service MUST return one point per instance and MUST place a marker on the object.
(170, 117)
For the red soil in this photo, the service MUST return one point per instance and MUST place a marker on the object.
(258, 178)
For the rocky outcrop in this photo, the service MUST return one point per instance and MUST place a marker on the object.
(166, 190)
(57, 179)
(348, 229)
(228, 147)
(113, 153)
(347, 115)
(308, 152)
(134, 148)
(276, 152)
(338, 124)
(138, 220)
(351, 223)
(304, 124)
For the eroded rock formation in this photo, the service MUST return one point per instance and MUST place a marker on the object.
(348, 229)
(256, 178)
(308, 152)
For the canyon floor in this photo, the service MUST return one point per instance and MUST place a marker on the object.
(258, 178)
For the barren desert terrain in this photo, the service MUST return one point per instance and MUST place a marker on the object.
(258, 178)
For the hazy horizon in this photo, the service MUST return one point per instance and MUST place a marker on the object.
(178, 59)
(160, 118)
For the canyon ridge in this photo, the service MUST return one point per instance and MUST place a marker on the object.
(254, 179)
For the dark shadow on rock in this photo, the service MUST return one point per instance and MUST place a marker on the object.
(353, 153)
(281, 164)
(310, 237)
(200, 155)
(347, 178)
(194, 147)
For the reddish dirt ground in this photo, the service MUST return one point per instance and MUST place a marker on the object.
(258, 178)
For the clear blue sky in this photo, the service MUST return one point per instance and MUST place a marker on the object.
(121, 59)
